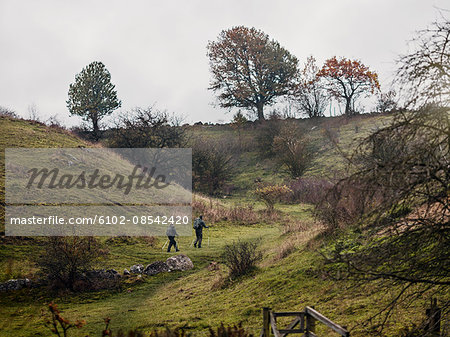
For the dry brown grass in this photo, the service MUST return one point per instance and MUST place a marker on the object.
(219, 281)
(297, 234)
(285, 249)
(296, 226)
(215, 211)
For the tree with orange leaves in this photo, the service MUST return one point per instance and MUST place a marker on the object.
(250, 70)
(347, 80)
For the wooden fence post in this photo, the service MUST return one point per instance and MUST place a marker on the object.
(434, 319)
(310, 323)
(266, 322)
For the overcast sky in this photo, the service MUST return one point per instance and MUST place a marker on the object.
(156, 50)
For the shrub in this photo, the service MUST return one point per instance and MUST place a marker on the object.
(147, 128)
(214, 211)
(343, 204)
(265, 136)
(234, 331)
(309, 190)
(292, 150)
(284, 141)
(386, 101)
(271, 194)
(64, 259)
(7, 112)
(212, 167)
(295, 226)
(59, 325)
(241, 257)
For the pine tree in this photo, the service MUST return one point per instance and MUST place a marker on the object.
(92, 96)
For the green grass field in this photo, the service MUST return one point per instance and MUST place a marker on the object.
(289, 277)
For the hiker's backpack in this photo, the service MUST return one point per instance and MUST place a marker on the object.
(197, 223)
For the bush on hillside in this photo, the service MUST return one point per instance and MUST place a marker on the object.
(272, 194)
(212, 167)
(285, 143)
(214, 211)
(265, 135)
(309, 190)
(147, 128)
(241, 257)
(292, 150)
(64, 259)
(7, 112)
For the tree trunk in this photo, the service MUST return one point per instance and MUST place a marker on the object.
(348, 107)
(95, 127)
(260, 109)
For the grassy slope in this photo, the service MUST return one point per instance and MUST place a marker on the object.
(21, 133)
(327, 161)
(191, 299)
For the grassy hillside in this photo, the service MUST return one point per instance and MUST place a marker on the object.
(29, 134)
(289, 277)
(326, 163)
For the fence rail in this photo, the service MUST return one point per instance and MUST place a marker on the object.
(303, 322)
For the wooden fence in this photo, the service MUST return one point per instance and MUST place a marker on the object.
(303, 322)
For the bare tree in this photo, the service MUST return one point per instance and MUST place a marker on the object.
(401, 208)
(400, 187)
(424, 74)
(238, 123)
(311, 96)
(7, 112)
(64, 259)
(33, 113)
(386, 101)
(141, 128)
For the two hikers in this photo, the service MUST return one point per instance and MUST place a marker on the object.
(171, 233)
(199, 224)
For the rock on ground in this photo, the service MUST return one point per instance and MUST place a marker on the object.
(102, 274)
(137, 269)
(15, 284)
(180, 262)
(156, 268)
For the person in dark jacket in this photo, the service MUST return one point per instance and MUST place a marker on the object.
(171, 233)
(199, 224)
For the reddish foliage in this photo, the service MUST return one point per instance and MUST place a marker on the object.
(348, 79)
(250, 70)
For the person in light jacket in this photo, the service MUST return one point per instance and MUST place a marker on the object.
(171, 233)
